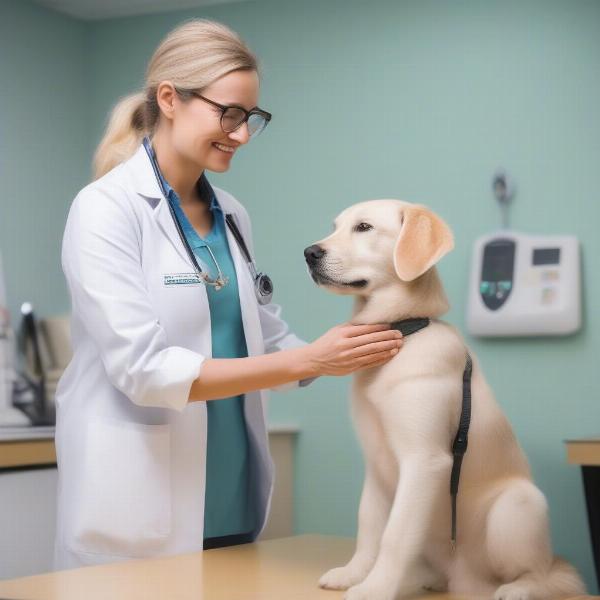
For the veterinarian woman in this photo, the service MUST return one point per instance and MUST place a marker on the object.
(161, 438)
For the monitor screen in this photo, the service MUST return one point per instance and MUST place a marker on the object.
(546, 256)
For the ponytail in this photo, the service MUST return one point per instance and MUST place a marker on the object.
(124, 133)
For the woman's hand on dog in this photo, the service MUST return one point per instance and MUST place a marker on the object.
(346, 348)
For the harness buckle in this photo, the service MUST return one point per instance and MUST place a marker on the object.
(459, 447)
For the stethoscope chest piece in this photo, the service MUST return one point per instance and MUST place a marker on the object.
(263, 288)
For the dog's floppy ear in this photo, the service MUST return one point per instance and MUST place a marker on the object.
(424, 238)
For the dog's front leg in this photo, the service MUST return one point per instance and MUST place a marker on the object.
(395, 573)
(373, 514)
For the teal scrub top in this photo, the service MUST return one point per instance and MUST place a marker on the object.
(228, 508)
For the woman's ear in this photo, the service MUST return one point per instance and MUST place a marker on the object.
(424, 238)
(165, 98)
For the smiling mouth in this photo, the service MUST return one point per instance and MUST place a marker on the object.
(224, 148)
(321, 279)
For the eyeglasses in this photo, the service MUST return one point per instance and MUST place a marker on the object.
(233, 117)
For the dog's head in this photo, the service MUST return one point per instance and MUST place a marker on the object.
(375, 243)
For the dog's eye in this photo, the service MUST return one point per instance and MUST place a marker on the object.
(363, 227)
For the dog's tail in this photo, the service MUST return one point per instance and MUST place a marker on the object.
(563, 581)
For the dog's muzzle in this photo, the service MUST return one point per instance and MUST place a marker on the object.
(313, 255)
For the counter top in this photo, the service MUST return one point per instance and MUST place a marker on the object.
(19, 453)
(285, 568)
(584, 451)
(24, 446)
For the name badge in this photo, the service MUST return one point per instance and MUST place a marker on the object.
(176, 279)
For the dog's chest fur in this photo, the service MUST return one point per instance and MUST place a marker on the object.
(412, 402)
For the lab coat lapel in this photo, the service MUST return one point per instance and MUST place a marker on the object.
(145, 184)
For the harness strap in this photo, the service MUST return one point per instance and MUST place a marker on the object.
(459, 446)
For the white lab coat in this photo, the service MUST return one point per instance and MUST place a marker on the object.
(131, 450)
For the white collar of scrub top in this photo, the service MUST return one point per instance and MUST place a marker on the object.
(145, 184)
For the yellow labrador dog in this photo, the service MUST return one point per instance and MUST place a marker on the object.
(407, 414)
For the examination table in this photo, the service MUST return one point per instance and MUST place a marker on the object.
(277, 569)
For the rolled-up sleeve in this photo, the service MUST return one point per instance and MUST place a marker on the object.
(101, 260)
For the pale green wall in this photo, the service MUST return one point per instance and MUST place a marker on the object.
(43, 147)
(422, 101)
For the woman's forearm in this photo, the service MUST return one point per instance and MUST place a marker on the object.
(226, 377)
(341, 350)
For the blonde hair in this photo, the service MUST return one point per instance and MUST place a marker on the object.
(192, 56)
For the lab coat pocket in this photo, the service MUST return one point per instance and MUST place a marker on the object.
(125, 504)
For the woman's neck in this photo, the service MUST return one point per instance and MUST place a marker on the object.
(181, 174)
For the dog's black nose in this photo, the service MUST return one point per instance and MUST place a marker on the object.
(313, 253)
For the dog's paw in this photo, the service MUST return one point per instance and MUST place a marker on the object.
(371, 590)
(513, 591)
(340, 578)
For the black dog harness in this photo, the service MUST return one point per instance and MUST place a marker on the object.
(459, 446)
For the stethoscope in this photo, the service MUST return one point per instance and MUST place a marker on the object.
(263, 286)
